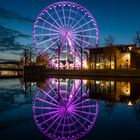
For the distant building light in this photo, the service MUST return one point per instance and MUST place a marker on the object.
(85, 81)
(85, 65)
(53, 82)
(71, 96)
(130, 48)
(130, 103)
(97, 82)
(97, 64)
(112, 82)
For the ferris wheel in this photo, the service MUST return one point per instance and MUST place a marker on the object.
(61, 32)
(69, 116)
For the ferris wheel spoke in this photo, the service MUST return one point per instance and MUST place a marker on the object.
(80, 45)
(58, 124)
(54, 92)
(78, 22)
(82, 31)
(69, 16)
(54, 20)
(76, 13)
(87, 36)
(52, 53)
(81, 25)
(85, 106)
(50, 118)
(81, 102)
(45, 41)
(74, 95)
(55, 49)
(84, 112)
(46, 35)
(74, 92)
(78, 98)
(46, 114)
(58, 17)
(77, 54)
(51, 45)
(45, 108)
(73, 20)
(81, 117)
(64, 16)
(73, 121)
(75, 86)
(68, 117)
(45, 28)
(74, 49)
(58, 116)
(50, 23)
(75, 41)
(44, 101)
(82, 40)
(63, 125)
(47, 94)
(81, 124)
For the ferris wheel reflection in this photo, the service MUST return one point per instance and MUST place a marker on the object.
(62, 109)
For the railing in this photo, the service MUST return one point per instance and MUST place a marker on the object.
(11, 68)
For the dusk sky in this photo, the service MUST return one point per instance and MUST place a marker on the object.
(119, 18)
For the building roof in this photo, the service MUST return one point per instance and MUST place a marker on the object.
(121, 47)
(114, 45)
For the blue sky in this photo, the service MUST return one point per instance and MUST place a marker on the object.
(119, 18)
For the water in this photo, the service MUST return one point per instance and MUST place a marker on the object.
(72, 108)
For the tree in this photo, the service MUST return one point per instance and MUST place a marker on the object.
(136, 111)
(137, 39)
(42, 60)
(109, 41)
(111, 52)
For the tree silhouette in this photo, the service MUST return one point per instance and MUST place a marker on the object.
(137, 39)
(111, 52)
(136, 111)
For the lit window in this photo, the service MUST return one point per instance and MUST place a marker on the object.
(130, 48)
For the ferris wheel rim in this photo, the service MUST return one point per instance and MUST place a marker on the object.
(71, 4)
(75, 114)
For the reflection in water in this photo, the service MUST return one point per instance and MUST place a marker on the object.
(68, 108)
(136, 111)
(62, 109)
(115, 91)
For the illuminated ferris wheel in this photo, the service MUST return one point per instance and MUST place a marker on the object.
(61, 32)
(63, 111)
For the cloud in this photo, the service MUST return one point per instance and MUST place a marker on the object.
(6, 32)
(8, 39)
(6, 14)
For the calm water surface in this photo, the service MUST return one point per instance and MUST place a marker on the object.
(70, 108)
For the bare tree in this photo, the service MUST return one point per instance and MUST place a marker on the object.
(136, 111)
(109, 107)
(137, 39)
(109, 41)
(111, 52)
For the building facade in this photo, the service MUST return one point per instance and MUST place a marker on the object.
(115, 91)
(114, 57)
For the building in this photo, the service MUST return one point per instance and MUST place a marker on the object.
(114, 57)
(6, 68)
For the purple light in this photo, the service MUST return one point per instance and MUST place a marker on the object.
(62, 109)
(70, 18)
